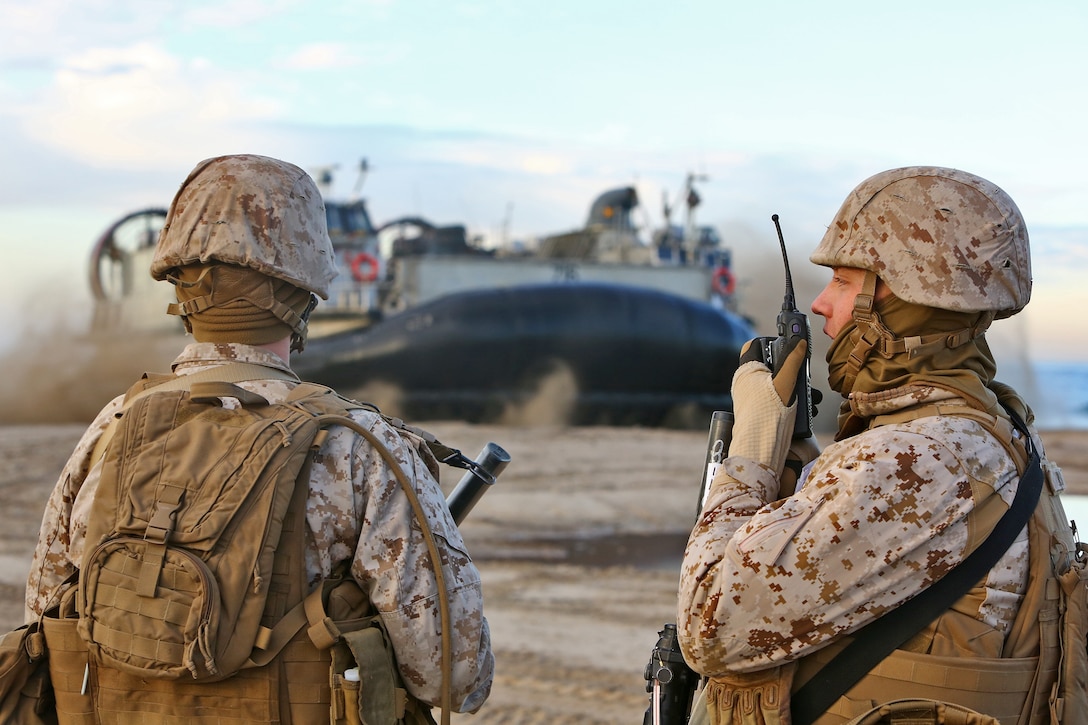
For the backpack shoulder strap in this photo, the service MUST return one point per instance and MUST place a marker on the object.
(162, 382)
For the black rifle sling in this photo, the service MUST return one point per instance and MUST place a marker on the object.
(880, 637)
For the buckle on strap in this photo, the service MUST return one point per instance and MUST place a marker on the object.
(190, 307)
(870, 337)
(161, 521)
(159, 527)
(866, 298)
(919, 344)
(863, 307)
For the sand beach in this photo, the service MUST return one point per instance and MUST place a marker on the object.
(578, 544)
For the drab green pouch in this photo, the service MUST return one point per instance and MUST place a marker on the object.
(381, 701)
(378, 697)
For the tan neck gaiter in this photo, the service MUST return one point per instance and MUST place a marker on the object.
(226, 303)
(966, 369)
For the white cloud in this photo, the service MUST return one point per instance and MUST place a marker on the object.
(318, 56)
(546, 164)
(36, 33)
(499, 154)
(233, 13)
(341, 56)
(140, 107)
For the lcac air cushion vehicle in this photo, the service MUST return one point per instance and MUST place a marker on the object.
(591, 326)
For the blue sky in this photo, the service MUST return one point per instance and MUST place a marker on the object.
(485, 112)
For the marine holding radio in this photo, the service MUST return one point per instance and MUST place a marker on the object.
(907, 534)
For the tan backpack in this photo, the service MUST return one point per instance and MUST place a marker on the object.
(192, 588)
(184, 528)
(185, 525)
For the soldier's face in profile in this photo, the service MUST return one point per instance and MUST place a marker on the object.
(836, 302)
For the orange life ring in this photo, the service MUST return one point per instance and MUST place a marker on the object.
(723, 282)
(358, 273)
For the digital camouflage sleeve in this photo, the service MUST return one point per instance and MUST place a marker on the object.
(880, 517)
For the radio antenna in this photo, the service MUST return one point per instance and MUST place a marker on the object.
(788, 303)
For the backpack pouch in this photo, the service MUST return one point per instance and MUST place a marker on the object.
(161, 637)
(26, 695)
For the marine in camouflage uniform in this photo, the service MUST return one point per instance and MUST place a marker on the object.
(775, 576)
(246, 244)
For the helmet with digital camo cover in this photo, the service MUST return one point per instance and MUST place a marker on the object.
(937, 237)
(250, 211)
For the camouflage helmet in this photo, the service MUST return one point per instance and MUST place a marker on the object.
(937, 237)
(251, 211)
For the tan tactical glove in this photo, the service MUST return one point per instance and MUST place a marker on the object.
(751, 698)
(763, 425)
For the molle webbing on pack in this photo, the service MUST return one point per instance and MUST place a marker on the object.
(242, 372)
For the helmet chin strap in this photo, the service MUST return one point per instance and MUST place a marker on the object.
(298, 335)
(871, 328)
(876, 336)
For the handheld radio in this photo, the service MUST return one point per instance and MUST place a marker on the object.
(792, 324)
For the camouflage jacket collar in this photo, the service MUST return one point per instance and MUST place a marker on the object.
(869, 405)
(199, 355)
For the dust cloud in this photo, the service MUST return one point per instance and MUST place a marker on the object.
(386, 396)
(55, 371)
(551, 403)
(66, 379)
